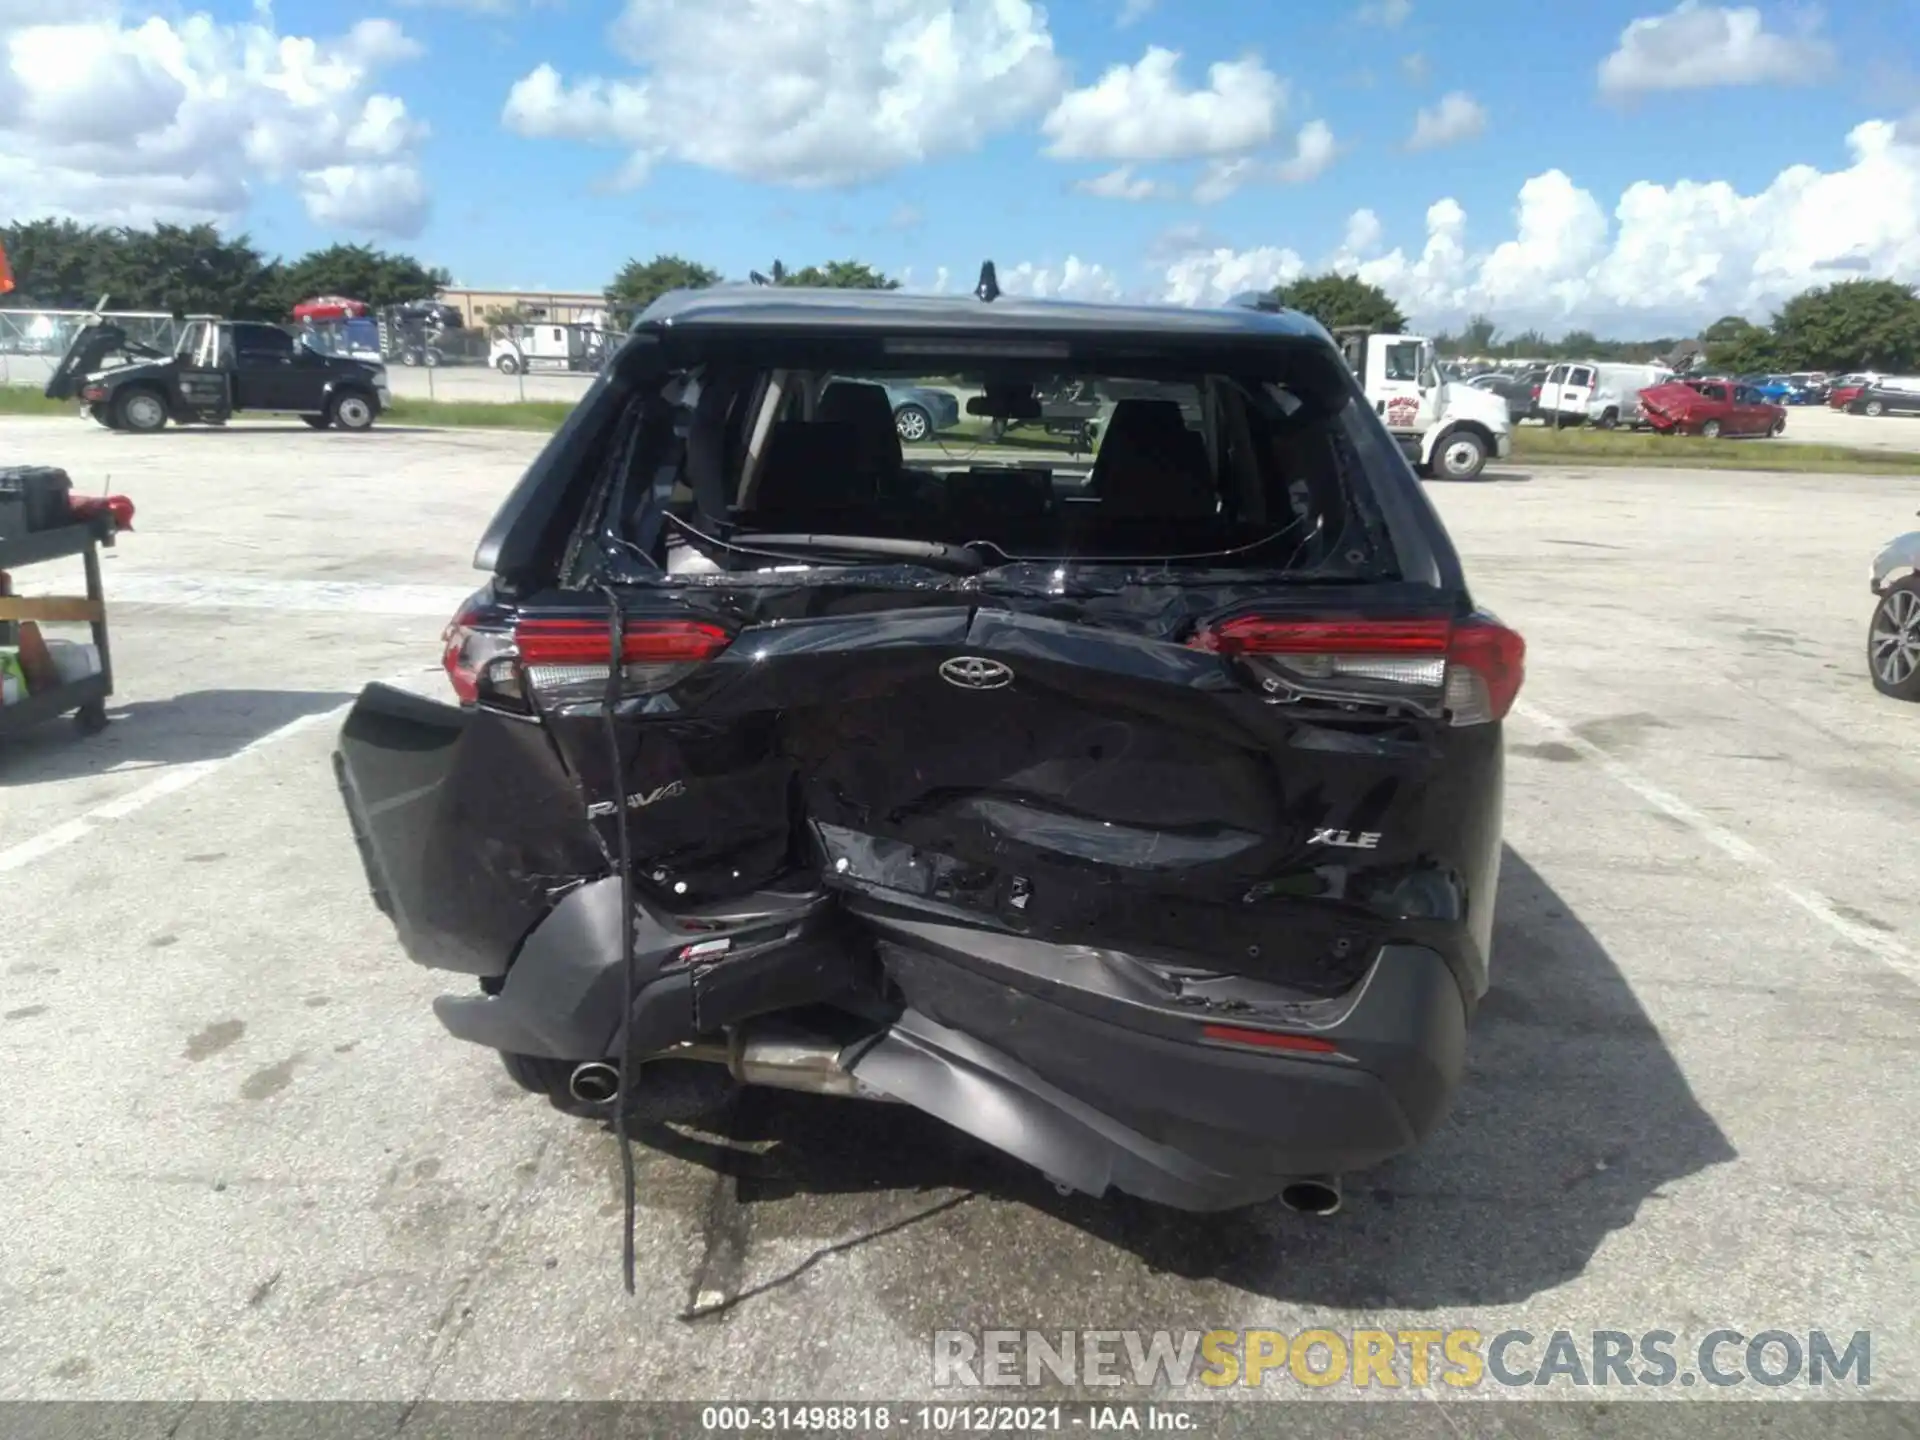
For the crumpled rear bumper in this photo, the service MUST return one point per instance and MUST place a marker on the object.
(1095, 1088)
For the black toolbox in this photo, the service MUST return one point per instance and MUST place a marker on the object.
(33, 497)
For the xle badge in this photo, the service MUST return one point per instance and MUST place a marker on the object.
(1346, 839)
(668, 791)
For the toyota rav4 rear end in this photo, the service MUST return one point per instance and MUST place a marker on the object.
(1139, 815)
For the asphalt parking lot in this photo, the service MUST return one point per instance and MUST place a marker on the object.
(242, 1160)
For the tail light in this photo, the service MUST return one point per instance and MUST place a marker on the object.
(569, 659)
(488, 657)
(1536, 392)
(1468, 670)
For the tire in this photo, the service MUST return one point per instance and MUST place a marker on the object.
(507, 365)
(1874, 408)
(1893, 641)
(1460, 455)
(1779, 426)
(91, 718)
(100, 415)
(1710, 430)
(317, 422)
(912, 423)
(431, 359)
(140, 410)
(409, 358)
(1608, 420)
(351, 410)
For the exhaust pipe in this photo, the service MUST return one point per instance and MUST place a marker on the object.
(1312, 1195)
(594, 1083)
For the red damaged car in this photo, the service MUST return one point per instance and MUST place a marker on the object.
(1711, 408)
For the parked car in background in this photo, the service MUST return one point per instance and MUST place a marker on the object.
(1774, 389)
(1893, 635)
(1807, 388)
(1893, 395)
(919, 411)
(1847, 389)
(1595, 393)
(1520, 389)
(1713, 408)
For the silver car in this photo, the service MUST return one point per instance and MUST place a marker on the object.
(1893, 636)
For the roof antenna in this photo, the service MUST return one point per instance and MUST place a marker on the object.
(989, 287)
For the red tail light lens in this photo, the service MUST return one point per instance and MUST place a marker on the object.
(1471, 670)
(468, 647)
(567, 659)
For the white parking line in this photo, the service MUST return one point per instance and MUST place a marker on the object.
(173, 780)
(1885, 948)
(240, 592)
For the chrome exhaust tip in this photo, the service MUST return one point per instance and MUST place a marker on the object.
(1312, 1195)
(594, 1083)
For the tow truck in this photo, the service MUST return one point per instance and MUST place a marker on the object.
(1443, 429)
(220, 368)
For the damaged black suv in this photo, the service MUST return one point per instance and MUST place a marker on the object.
(1138, 814)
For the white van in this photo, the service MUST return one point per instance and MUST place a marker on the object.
(1603, 394)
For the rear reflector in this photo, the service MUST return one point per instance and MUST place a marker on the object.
(1473, 667)
(1268, 1039)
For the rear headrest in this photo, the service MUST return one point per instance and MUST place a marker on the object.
(865, 406)
(813, 465)
(1151, 464)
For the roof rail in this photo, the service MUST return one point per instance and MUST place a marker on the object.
(1262, 300)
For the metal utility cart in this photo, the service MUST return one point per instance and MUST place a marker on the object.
(86, 697)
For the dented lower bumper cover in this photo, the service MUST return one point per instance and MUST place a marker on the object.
(1028, 1047)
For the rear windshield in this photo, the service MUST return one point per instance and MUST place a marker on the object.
(1011, 461)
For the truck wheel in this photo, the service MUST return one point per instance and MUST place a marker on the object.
(507, 365)
(1710, 430)
(103, 416)
(409, 358)
(351, 410)
(316, 422)
(431, 359)
(1608, 420)
(1461, 456)
(141, 411)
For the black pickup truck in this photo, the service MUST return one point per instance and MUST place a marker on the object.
(219, 368)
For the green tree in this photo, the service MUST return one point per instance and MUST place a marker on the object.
(1852, 325)
(1338, 300)
(57, 265)
(641, 282)
(1480, 336)
(360, 272)
(834, 275)
(1740, 347)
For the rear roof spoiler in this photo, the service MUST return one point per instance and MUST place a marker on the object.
(1261, 300)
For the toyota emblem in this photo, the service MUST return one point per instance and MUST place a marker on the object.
(971, 672)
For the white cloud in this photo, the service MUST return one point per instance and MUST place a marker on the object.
(1667, 258)
(1212, 277)
(1074, 280)
(107, 121)
(1415, 67)
(1314, 150)
(1363, 232)
(812, 95)
(1457, 117)
(1132, 12)
(1120, 184)
(1143, 111)
(1695, 46)
(1387, 14)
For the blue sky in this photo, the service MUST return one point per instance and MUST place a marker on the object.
(543, 201)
